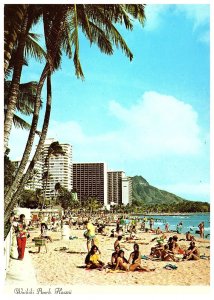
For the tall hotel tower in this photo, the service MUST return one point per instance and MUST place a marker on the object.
(126, 190)
(115, 187)
(60, 168)
(90, 180)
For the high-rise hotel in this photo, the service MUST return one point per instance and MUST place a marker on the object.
(60, 168)
(115, 187)
(90, 180)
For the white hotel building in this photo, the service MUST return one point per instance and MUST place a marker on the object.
(60, 168)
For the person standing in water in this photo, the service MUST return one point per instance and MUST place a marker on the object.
(201, 230)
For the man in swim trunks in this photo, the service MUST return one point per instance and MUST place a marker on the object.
(90, 234)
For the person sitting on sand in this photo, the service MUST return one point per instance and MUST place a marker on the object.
(175, 246)
(192, 252)
(170, 243)
(189, 237)
(167, 255)
(114, 257)
(121, 263)
(117, 242)
(157, 250)
(92, 259)
(135, 260)
(158, 230)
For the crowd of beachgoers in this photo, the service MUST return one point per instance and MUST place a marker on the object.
(110, 243)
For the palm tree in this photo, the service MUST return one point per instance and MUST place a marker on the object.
(24, 104)
(92, 204)
(61, 24)
(30, 15)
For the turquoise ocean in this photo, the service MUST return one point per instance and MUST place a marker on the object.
(190, 222)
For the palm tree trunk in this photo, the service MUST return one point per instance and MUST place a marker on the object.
(14, 88)
(36, 155)
(12, 34)
(46, 184)
(30, 140)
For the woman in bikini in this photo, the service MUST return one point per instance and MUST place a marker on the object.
(121, 263)
(135, 260)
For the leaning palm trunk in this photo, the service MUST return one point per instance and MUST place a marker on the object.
(14, 88)
(36, 155)
(30, 140)
(46, 184)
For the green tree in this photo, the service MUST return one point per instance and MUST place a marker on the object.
(64, 198)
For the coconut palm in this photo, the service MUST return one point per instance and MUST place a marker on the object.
(29, 17)
(61, 29)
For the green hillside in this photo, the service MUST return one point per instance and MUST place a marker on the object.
(147, 195)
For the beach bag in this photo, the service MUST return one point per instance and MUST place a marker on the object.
(39, 242)
(85, 234)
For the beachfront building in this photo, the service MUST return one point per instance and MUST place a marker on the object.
(90, 180)
(115, 187)
(126, 190)
(60, 168)
(35, 180)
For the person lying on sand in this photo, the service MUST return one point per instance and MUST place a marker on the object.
(192, 252)
(135, 260)
(92, 259)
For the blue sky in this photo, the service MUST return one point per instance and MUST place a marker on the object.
(148, 117)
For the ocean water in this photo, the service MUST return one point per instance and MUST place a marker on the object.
(190, 222)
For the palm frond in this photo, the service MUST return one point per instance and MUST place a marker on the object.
(20, 123)
(33, 49)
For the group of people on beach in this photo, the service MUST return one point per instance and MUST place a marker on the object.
(165, 250)
(118, 260)
(170, 250)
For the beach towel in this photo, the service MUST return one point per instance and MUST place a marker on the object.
(145, 257)
(170, 267)
(204, 257)
(73, 237)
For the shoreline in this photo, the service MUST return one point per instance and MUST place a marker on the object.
(170, 214)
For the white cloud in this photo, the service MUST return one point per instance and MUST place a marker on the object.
(158, 124)
(154, 16)
(198, 14)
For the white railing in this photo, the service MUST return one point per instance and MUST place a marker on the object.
(7, 248)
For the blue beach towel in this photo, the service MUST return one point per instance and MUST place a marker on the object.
(170, 267)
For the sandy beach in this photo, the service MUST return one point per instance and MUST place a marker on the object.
(65, 265)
